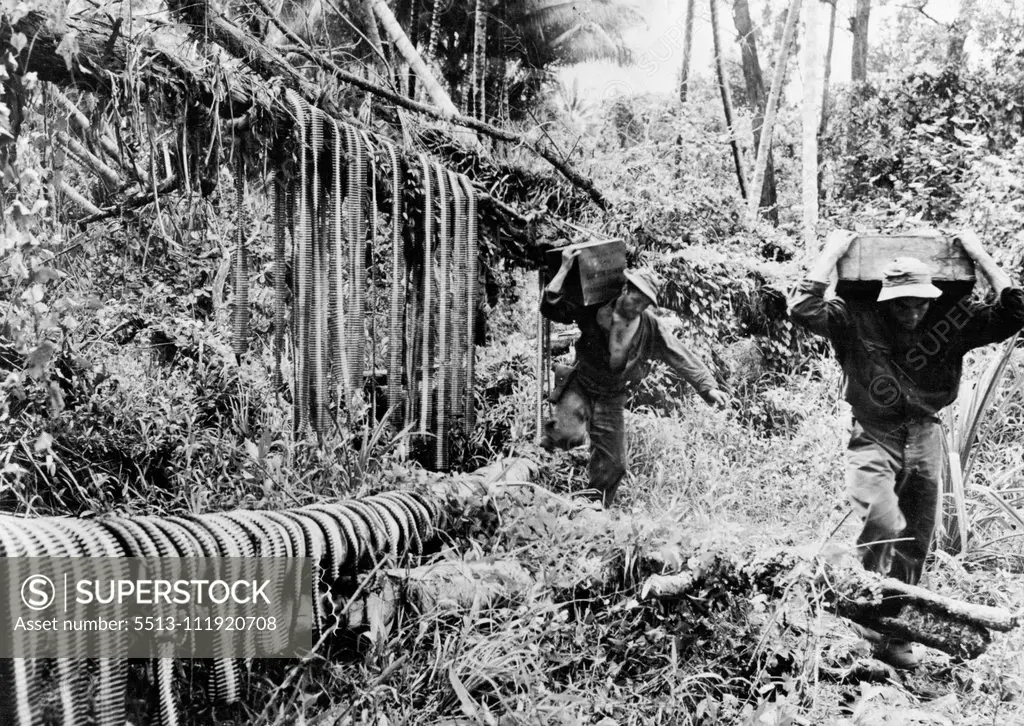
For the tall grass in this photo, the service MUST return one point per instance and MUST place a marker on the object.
(979, 411)
(709, 464)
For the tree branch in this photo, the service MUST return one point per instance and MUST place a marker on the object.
(84, 126)
(247, 93)
(139, 198)
(538, 147)
(78, 198)
(919, 7)
(437, 94)
(89, 160)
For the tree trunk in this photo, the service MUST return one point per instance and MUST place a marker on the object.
(477, 107)
(434, 91)
(827, 75)
(723, 86)
(379, 66)
(958, 33)
(811, 118)
(859, 28)
(684, 73)
(769, 115)
(754, 80)
(884, 604)
(777, 23)
(14, 98)
(407, 16)
(436, 8)
(501, 74)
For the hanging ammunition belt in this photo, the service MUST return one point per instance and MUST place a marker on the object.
(427, 307)
(302, 249)
(397, 302)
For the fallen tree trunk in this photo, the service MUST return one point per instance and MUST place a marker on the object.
(103, 56)
(446, 112)
(889, 606)
(883, 604)
(985, 616)
(855, 591)
(951, 626)
(437, 94)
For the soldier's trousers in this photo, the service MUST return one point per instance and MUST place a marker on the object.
(893, 479)
(608, 459)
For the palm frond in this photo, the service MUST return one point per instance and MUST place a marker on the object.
(572, 32)
(1010, 511)
(567, 12)
(978, 401)
(959, 495)
(973, 406)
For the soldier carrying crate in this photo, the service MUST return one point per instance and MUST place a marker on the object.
(617, 338)
(902, 353)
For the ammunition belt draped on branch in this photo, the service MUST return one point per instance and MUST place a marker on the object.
(460, 279)
(374, 163)
(339, 277)
(472, 275)
(340, 537)
(302, 245)
(357, 248)
(396, 307)
(443, 315)
(426, 308)
(317, 311)
(320, 201)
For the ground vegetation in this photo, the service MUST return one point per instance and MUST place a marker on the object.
(122, 392)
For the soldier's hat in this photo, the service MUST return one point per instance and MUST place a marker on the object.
(907, 277)
(647, 281)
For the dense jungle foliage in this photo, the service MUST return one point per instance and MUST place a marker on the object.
(122, 393)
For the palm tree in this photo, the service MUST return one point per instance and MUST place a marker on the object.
(572, 31)
(516, 42)
(502, 49)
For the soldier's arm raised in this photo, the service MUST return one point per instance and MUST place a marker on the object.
(808, 306)
(553, 305)
(996, 321)
(995, 275)
(569, 256)
(836, 245)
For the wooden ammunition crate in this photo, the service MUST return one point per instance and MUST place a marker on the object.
(860, 269)
(598, 273)
(868, 256)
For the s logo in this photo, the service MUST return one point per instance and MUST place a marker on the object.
(38, 592)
